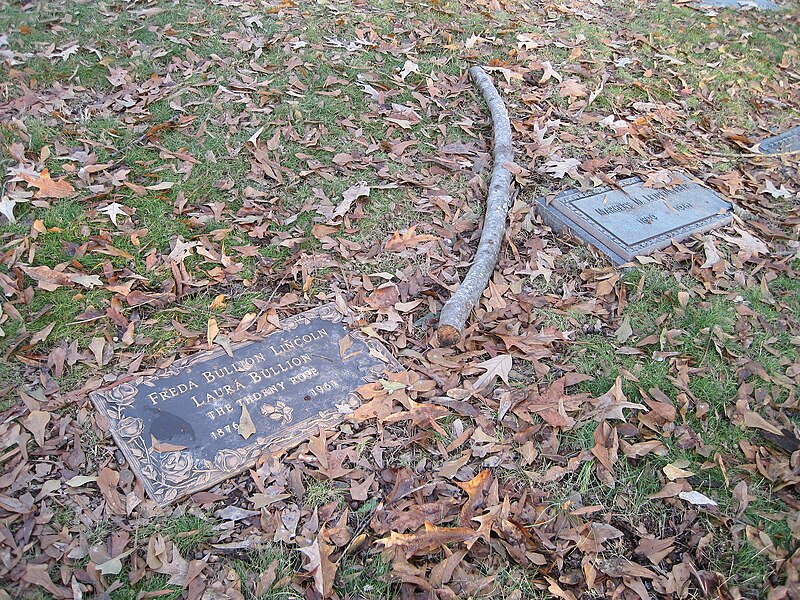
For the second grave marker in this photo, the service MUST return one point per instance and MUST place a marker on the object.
(634, 220)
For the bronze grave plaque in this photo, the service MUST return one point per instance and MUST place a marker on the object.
(179, 428)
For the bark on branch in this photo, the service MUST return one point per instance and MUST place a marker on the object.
(456, 311)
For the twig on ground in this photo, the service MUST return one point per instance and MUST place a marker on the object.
(456, 311)
(151, 131)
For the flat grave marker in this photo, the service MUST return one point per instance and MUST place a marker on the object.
(634, 220)
(788, 141)
(179, 428)
(739, 4)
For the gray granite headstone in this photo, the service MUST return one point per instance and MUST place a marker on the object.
(633, 220)
(788, 141)
(739, 4)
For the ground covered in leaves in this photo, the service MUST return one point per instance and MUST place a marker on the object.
(179, 175)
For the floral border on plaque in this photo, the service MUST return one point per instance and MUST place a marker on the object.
(173, 474)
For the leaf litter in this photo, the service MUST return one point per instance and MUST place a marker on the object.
(632, 435)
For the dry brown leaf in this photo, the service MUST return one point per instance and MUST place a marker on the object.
(321, 567)
(410, 239)
(41, 336)
(428, 541)
(164, 446)
(47, 187)
(696, 498)
(572, 88)
(246, 425)
(674, 472)
(218, 302)
(498, 366)
(611, 404)
(212, 330)
(36, 422)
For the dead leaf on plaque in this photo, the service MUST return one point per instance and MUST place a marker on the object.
(164, 446)
(345, 343)
(246, 425)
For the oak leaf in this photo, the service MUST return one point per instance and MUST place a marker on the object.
(409, 239)
(611, 404)
(113, 210)
(7, 203)
(749, 245)
(51, 280)
(48, 187)
(498, 366)
(549, 72)
(427, 541)
(558, 167)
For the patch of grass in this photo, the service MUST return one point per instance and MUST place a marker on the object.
(99, 533)
(595, 355)
(319, 493)
(581, 437)
(189, 532)
(153, 585)
(63, 516)
(258, 561)
(739, 562)
(364, 577)
(10, 376)
(515, 582)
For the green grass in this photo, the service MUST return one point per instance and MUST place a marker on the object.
(365, 577)
(250, 567)
(319, 493)
(151, 584)
(189, 532)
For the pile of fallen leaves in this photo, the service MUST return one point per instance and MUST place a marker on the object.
(492, 469)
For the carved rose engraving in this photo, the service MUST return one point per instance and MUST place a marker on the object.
(122, 395)
(177, 466)
(130, 427)
(227, 460)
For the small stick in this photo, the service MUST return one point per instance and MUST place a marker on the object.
(151, 131)
(456, 310)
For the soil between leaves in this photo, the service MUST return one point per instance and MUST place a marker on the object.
(238, 162)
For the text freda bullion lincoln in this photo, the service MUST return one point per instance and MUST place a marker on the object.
(245, 374)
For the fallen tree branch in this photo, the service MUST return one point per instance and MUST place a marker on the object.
(456, 311)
